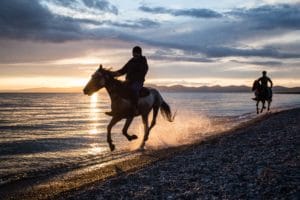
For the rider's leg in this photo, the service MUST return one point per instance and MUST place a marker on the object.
(135, 88)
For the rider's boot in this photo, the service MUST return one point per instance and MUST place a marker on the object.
(110, 113)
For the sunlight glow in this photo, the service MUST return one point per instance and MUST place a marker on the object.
(88, 60)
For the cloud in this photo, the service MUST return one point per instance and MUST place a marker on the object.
(262, 63)
(101, 5)
(193, 12)
(209, 40)
(270, 16)
(33, 21)
(140, 23)
(182, 56)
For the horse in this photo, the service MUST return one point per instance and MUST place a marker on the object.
(149, 100)
(262, 95)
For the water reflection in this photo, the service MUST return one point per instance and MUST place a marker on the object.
(94, 114)
(97, 149)
(95, 111)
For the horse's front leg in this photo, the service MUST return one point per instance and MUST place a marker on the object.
(113, 121)
(257, 110)
(269, 104)
(263, 106)
(125, 129)
(146, 130)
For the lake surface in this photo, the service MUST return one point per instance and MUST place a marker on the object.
(42, 133)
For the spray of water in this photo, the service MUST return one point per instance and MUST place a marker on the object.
(187, 128)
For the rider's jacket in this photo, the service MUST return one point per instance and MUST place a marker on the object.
(135, 69)
(264, 81)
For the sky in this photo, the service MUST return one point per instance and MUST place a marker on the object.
(60, 43)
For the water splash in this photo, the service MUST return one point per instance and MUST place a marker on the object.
(187, 128)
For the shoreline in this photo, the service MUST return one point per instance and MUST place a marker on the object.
(79, 181)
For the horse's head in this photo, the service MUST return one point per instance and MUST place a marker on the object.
(256, 85)
(97, 81)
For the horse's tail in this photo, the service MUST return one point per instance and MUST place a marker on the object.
(160, 103)
(166, 111)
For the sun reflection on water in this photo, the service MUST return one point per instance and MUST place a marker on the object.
(97, 149)
(94, 114)
(94, 130)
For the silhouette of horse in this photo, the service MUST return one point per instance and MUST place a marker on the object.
(121, 105)
(262, 95)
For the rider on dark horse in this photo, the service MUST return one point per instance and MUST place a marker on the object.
(135, 69)
(266, 91)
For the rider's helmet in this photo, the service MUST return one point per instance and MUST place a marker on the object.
(264, 73)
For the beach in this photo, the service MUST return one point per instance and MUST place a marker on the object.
(258, 159)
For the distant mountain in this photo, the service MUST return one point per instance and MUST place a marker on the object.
(46, 90)
(174, 88)
(217, 88)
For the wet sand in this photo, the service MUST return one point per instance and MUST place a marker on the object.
(256, 160)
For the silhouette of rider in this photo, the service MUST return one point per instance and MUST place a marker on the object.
(135, 69)
(264, 84)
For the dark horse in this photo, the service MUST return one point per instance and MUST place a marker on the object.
(262, 95)
(121, 105)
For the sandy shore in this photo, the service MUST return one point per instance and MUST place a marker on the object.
(257, 160)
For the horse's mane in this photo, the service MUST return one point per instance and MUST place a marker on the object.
(114, 80)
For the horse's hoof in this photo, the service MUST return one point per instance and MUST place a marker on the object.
(132, 137)
(112, 147)
(141, 149)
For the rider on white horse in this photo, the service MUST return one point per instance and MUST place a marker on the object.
(135, 69)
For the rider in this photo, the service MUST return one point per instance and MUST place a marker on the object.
(264, 84)
(135, 69)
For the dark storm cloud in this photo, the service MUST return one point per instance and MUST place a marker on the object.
(31, 20)
(193, 12)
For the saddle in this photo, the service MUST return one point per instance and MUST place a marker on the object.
(124, 93)
(144, 92)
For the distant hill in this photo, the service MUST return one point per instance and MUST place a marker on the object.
(174, 88)
(46, 90)
(225, 89)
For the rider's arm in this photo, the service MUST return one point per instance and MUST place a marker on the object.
(122, 71)
(259, 80)
(270, 82)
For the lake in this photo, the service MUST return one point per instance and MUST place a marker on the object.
(43, 133)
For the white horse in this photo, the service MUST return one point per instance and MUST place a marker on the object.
(150, 99)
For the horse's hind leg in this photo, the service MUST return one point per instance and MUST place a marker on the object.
(155, 112)
(125, 129)
(257, 110)
(146, 130)
(269, 104)
(109, 127)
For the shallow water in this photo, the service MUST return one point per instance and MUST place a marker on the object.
(53, 133)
